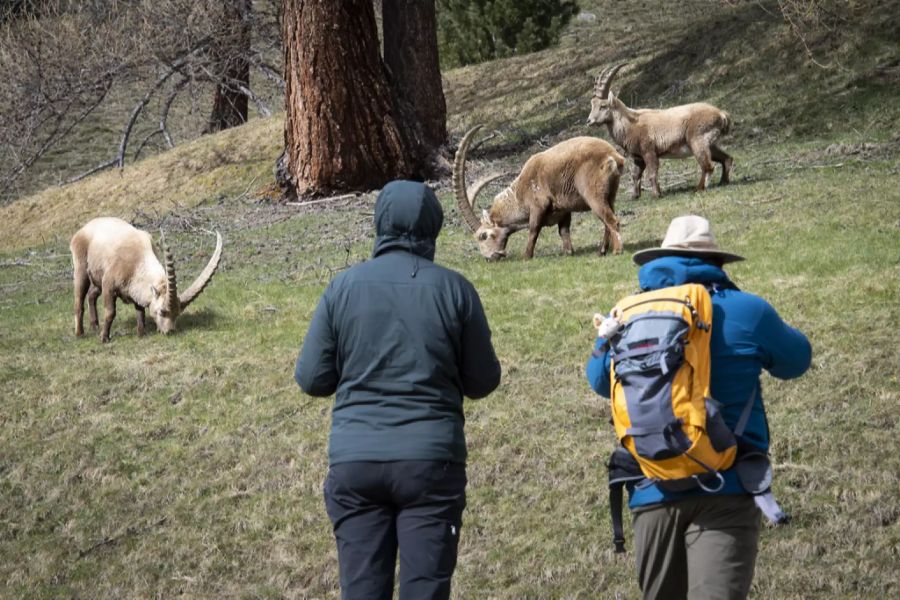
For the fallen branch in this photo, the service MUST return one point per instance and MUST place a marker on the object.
(802, 467)
(110, 163)
(111, 541)
(776, 198)
(147, 139)
(18, 262)
(321, 200)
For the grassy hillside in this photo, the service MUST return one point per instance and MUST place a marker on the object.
(192, 465)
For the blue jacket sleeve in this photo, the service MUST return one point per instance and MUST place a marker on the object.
(479, 368)
(786, 351)
(316, 370)
(598, 368)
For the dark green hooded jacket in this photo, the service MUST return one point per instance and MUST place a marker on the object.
(399, 341)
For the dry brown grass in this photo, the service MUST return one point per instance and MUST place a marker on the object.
(223, 165)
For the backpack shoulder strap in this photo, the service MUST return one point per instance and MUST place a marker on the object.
(745, 414)
(615, 509)
(623, 468)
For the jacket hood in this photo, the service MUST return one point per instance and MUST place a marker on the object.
(408, 217)
(677, 270)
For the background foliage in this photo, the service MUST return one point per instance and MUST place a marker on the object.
(472, 31)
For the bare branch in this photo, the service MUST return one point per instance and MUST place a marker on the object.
(174, 68)
(270, 74)
(147, 139)
(110, 163)
(164, 114)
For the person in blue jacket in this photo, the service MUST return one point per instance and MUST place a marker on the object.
(399, 341)
(703, 544)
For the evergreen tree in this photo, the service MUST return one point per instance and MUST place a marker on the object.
(471, 31)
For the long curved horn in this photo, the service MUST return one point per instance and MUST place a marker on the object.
(466, 206)
(598, 84)
(172, 294)
(601, 90)
(476, 187)
(204, 277)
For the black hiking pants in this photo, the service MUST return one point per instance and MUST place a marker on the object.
(378, 508)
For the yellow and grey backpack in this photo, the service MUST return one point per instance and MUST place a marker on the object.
(662, 410)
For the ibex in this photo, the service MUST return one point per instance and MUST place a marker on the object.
(114, 260)
(647, 135)
(576, 175)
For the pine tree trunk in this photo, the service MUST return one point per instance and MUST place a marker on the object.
(411, 55)
(342, 129)
(230, 103)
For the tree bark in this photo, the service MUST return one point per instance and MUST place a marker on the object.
(230, 102)
(343, 130)
(411, 56)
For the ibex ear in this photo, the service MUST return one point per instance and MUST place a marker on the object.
(612, 96)
(155, 292)
(486, 218)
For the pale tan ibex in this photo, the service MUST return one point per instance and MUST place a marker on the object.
(576, 175)
(647, 135)
(114, 260)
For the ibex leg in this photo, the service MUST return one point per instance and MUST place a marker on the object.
(602, 207)
(704, 158)
(93, 294)
(140, 320)
(535, 223)
(723, 158)
(109, 310)
(652, 162)
(637, 171)
(565, 232)
(82, 283)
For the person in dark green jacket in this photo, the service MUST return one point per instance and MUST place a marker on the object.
(399, 341)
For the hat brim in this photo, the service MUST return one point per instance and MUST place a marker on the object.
(642, 257)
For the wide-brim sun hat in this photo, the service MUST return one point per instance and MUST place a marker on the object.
(689, 235)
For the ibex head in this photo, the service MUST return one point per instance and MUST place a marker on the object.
(603, 99)
(490, 236)
(167, 303)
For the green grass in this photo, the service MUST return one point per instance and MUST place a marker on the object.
(192, 465)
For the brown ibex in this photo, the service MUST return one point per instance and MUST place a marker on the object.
(647, 135)
(115, 260)
(576, 175)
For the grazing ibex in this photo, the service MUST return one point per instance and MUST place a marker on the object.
(114, 260)
(648, 134)
(576, 175)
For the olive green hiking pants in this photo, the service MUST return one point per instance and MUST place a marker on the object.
(697, 548)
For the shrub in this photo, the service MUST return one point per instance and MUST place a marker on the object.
(472, 31)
